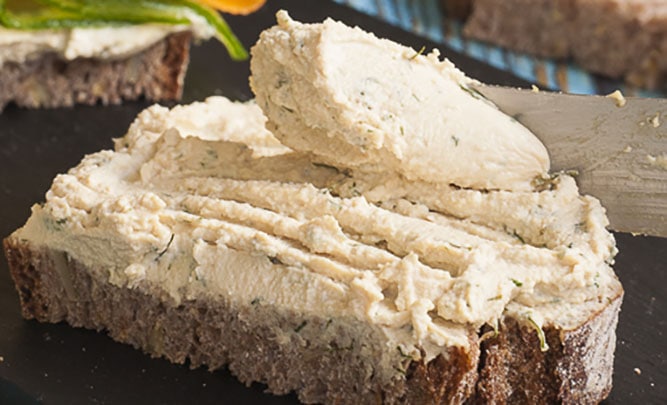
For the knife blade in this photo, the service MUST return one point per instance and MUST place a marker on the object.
(618, 146)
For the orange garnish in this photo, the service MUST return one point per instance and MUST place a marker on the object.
(234, 6)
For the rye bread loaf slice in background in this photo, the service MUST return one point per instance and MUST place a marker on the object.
(156, 73)
(620, 39)
(55, 54)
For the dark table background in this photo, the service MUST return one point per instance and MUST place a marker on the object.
(57, 364)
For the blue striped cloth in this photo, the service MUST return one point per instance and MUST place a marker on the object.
(425, 18)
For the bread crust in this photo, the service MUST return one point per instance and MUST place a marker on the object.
(509, 368)
(609, 37)
(157, 73)
(577, 368)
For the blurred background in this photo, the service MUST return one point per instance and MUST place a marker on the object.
(445, 21)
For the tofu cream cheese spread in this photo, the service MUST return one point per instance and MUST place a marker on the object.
(357, 101)
(384, 194)
(20, 46)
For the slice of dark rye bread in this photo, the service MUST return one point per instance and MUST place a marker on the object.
(507, 367)
(155, 73)
(620, 39)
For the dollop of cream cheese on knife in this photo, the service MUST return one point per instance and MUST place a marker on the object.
(359, 102)
(406, 231)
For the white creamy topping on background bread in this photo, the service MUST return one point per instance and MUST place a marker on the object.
(20, 46)
(202, 202)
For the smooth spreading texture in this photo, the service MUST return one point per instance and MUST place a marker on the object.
(201, 203)
(356, 101)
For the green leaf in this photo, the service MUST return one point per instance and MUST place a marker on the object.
(53, 14)
(225, 34)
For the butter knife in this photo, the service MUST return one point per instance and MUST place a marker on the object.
(617, 145)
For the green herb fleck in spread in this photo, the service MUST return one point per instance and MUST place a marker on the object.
(419, 52)
(159, 255)
(403, 354)
(55, 225)
(540, 334)
(301, 326)
(474, 93)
